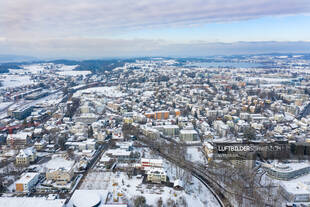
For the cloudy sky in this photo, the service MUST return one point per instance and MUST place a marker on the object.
(122, 28)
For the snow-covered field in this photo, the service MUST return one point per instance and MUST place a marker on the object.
(73, 73)
(11, 81)
(68, 70)
(32, 69)
(22, 77)
(113, 91)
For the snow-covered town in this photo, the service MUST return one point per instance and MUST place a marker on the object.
(143, 133)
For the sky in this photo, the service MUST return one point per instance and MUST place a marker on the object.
(81, 29)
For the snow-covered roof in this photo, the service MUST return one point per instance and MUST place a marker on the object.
(20, 135)
(26, 152)
(296, 187)
(105, 159)
(22, 154)
(190, 131)
(281, 167)
(124, 144)
(86, 198)
(157, 171)
(170, 126)
(118, 152)
(27, 177)
(157, 161)
(178, 182)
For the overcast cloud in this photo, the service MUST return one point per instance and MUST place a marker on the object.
(76, 26)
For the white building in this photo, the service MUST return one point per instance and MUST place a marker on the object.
(296, 191)
(27, 182)
(26, 156)
(289, 171)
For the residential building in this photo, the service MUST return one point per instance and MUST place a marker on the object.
(59, 169)
(26, 156)
(156, 175)
(188, 135)
(26, 182)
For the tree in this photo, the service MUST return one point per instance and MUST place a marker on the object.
(160, 202)
(199, 188)
(196, 115)
(194, 122)
(170, 202)
(65, 90)
(211, 119)
(249, 133)
(182, 202)
(186, 111)
(139, 201)
(70, 153)
(90, 132)
(62, 142)
(24, 123)
(1, 184)
(32, 121)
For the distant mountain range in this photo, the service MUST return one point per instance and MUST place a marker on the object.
(96, 66)
(101, 65)
(16, 58)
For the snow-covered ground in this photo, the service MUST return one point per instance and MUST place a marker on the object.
(45, 68)
(21, 77)
(34, 68)
(3, 105)
(68, 70)
(192, 185)
(11, 81)
(113, 91)
(73, 73)
(195, 154)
